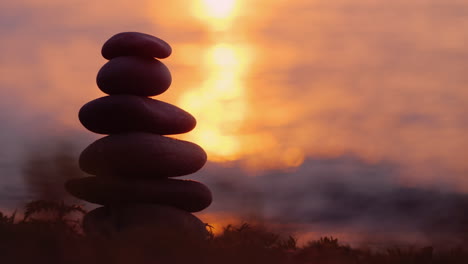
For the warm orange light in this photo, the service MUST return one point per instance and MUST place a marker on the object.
(220, 103)
(218, 8)
(217, 13)
(218, 221)
(223, 55)
(293, 157)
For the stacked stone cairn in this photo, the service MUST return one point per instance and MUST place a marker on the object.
(134, 165)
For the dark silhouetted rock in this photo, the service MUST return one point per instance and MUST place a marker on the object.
(127, 113)
(134, 75)
(135, 44)
(141, 155)
(99, 222)
(158, 221)
(187, 195)
(134, 162)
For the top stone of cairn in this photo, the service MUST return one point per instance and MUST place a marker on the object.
(135, 44)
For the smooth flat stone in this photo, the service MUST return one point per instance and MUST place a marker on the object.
(143, 219)
(190, 196)
(134, 75)
(141, 155)
(135, 44)
(99, 221)
(127, 113)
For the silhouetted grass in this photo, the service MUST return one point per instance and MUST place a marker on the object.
(49, 234)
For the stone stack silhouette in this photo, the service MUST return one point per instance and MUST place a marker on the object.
(134, 165)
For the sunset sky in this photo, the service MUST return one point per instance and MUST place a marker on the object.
(320, 116)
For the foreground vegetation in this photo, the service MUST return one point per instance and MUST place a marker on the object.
(46, 234)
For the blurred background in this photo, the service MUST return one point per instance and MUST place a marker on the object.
(343, 118)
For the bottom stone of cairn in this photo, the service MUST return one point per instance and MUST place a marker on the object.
(152, 220)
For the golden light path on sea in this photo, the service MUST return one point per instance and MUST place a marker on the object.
(220, 101)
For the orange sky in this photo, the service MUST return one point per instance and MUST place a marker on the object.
(268, 87)
(384, 81)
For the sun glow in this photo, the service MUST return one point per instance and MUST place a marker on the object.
(219, 104)
(217, 13)
(218, 8)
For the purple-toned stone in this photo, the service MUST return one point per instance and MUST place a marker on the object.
(187, 195)
(141, 155)
(134, 75)
(158, 221)
(135, 44)
(127, 113)
(99, 221)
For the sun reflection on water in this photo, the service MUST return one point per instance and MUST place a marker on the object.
(220, 103)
